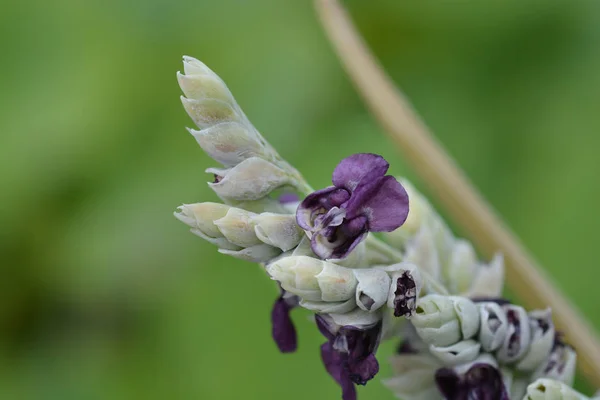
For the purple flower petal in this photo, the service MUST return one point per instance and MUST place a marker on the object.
(351, 170)
(383, 201)
(331, 243)
(481, 381)
(334, 362)
(319, 202)
(286, 198)
(283, 330)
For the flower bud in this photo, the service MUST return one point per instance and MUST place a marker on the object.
(313, 279)
(278, 230)
(405, 285)
(542, 340)
(493, 326)
(201, 216)
(489, 279)
(205, 86)
(458, 353)
(229, 143)
(221, 242)
(413, 377)
(251, 179)
(327, 307)
(423, 252)
(237, 226)
(372, 288)
(548, 389)
(518, 336)
(260, 253)
(560, 364)
(208, 112)
(445, 320)
(461, 267)
(192, 66)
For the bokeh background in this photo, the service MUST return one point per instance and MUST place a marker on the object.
(104, 295)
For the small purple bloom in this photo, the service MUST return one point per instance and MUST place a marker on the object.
(349, 354)
(481, 381)
(283, 330)
(362, 199)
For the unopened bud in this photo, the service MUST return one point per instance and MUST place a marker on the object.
(252, 179)
(192, 66)
(278, 230)
(542, 340)
(414, 376)
(560, 364)
(238, 227)
(201, 216)
(493, 326)
(458, 353)
(548, 389)
(205, 86)
(229, 143)
(518, 335)
(445, 320)
(329, 307)
(488, 279)
(461, 268)
(313, 279)
(372, 288)
(261, 253)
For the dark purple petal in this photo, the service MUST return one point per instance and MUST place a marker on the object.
(319, 202)
(363, 370)
(481, 381)
(333, 243)
(335, 363)
(406, 348)
(283, 330)
(485, 383)
(405, 295)
(324, 327)
(383, 201)
(351, 170)
(449, 384)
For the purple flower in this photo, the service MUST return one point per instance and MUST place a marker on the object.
(283, 330)
(362, 200)
(481, 381)
(349, 353)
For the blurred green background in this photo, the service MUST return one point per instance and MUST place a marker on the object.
(104, 295)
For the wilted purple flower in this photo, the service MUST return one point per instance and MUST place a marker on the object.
(283, 330)
(481, 381)
(349, 354)
(362, 199)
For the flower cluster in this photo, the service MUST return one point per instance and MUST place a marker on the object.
(414, 282)
(499, 343)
